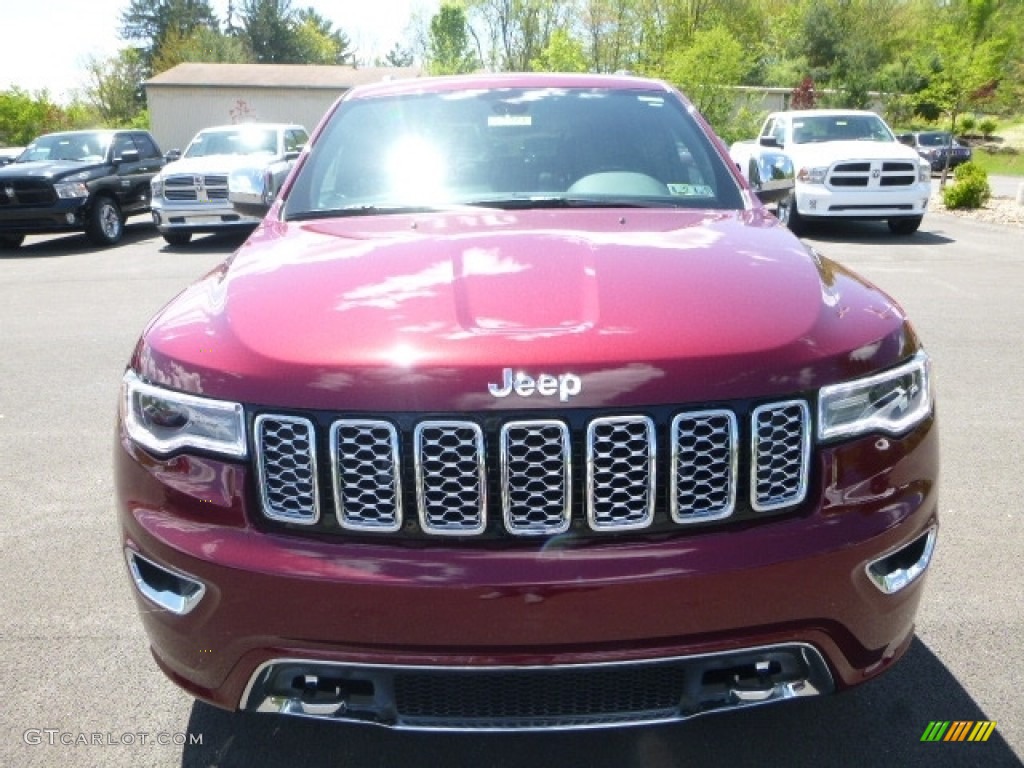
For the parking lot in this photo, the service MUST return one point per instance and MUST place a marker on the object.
(81, 688)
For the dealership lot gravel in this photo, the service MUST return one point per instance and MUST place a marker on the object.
(81, 690)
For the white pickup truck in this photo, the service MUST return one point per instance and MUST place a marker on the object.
(847, 163)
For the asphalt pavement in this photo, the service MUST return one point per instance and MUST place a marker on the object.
(81, 689)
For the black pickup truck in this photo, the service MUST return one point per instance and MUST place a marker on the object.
(77, 181)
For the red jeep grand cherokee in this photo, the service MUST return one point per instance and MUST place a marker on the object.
(519, 411)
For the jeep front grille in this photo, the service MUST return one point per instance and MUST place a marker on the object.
(465, 478)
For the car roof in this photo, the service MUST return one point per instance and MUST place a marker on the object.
(413, 86)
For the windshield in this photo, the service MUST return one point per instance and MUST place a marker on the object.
(511, 148)
(934, 139)
(79, 146)
(244, 140)
(807, 130)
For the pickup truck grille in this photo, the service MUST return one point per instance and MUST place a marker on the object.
(27, 193)
(520, 477)
(876, 173)
(196, 188)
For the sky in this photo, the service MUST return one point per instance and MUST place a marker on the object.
(45, 43)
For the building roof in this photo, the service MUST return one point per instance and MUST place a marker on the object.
(192, 74)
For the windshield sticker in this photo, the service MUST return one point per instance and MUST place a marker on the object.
(690, 190)
(504, 121)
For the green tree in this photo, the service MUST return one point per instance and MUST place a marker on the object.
(114, 87)
(563, 53)
(149, 22)
(517, 30)
(398, 57)
(968, 54)
(706, 70)
(202, 44)
(269, 29)
(319, 42)
(449, 50)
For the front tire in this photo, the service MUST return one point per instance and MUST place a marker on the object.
(177, 238)
(904, 226)
(11, 242)
(787, 213)
(105, 225)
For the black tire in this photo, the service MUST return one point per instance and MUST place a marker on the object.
(787, 213)
(177, 238)
(11, 242)
(105, 223)
(906, 225)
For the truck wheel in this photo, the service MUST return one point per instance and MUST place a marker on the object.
(10, 242)
(790, 216)
(905, 225)
(105, 224)
(177, 238)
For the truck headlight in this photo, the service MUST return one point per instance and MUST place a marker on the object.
(69, 190)
(812, 175)
(892, 401)
(924, 172)
(163, 420)
(156, 186)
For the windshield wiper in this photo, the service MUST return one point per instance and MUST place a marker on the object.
(567, 201)
(358, 210)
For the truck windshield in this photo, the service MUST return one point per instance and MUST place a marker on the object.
(244, 140)
(80, 147)
(511, 148)
(815, 128)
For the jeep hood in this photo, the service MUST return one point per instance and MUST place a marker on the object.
(422, 313)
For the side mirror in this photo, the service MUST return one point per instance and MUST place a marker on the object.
(769, 141)
(771, 176)
(172, 154)
(251, 191)
(128, 156)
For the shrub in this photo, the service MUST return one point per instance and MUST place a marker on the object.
(970, 188)
(987, 126)
(967, 123)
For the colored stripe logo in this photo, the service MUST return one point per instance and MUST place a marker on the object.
(958, 730)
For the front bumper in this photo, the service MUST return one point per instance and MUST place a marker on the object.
(63, 216)
(197, 218)
(338, 605)
(822, 201)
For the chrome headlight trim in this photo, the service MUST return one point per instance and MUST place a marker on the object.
(188, 421)
(891, 402)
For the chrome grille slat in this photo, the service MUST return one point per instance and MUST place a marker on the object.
(620, 472)
(536, 477)
(780, 450)
(286, 465)
(531, 470)
(704, 464)
(451, 481)
(367, 475)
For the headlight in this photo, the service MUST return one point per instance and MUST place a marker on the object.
(812, 175)
(156, 186)
(71, 189)
(924, 172)
(163, 420)
(890, 402)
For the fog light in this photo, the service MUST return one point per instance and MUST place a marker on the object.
(900, 568)
(812, 204)
(70, 217)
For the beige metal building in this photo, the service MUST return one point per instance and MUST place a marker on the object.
(193, 96)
